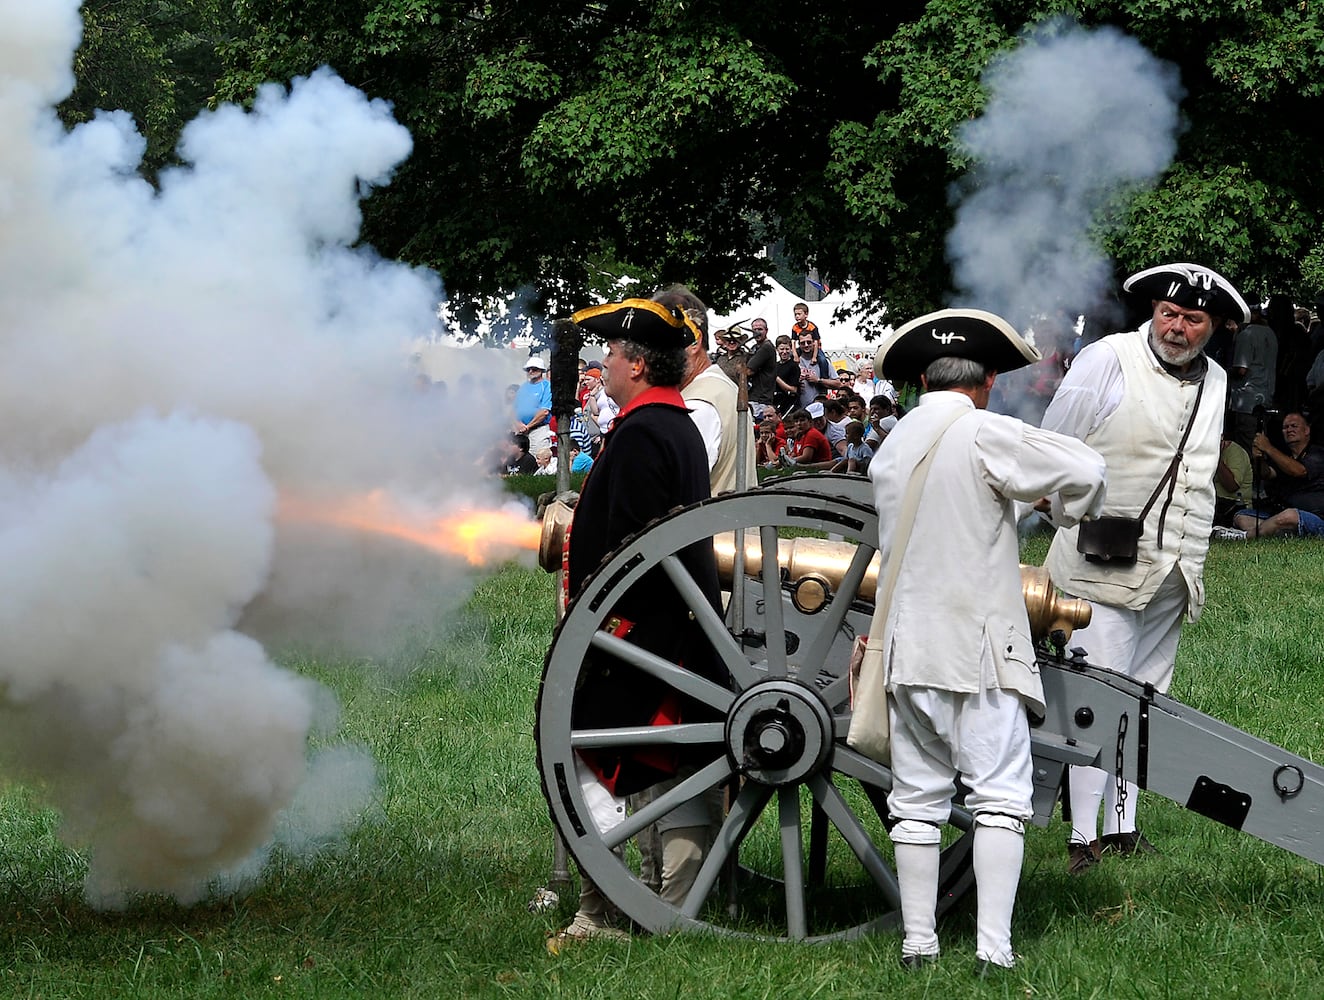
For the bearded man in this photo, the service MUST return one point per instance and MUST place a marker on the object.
(1151, 403)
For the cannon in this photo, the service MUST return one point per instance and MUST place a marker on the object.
(803, 852)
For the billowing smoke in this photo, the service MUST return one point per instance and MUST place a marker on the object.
(176, 363)
(1075, 120)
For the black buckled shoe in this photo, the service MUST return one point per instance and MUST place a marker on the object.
(1127, 844)
(1082, 857)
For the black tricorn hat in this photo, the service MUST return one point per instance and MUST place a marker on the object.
(1191, 287)
(641, 320)
(953, 333)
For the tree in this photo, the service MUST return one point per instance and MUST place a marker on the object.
(559, 143)
(156, 59)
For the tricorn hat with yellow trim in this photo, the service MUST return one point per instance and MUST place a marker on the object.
(1191, 287)
(641, 320)
(953, 333)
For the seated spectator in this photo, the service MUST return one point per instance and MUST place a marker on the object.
(1294, 482)
(546, 462)
(834, 425)
(580, 460)
(1232, 479)
(856, 407)
(809, 447)
(858, 452)
(770, 443)
(518, 460)
(882, 418)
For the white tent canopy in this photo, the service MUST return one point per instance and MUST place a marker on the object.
(841, 340)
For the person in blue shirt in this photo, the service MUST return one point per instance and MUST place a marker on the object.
(533, 406)
(580, 460)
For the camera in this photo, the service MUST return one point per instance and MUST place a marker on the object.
(1262, 415)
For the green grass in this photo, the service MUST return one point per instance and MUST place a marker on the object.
(427, 897)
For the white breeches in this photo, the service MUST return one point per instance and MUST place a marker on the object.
(1141, 644)
(982, 737)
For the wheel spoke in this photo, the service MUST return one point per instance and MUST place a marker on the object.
(788, 815)
(863, 769)
(853, 832)
(681, 734)
(745, 810)
(774, 625)
(835, 613)
(836, 692)
(733, 656)
(697, 783)
(818, 843)
(685, 681)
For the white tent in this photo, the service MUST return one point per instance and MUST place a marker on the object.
(841, 340)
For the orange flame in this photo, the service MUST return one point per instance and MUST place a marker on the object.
(478, 536)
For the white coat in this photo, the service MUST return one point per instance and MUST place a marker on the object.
(957, 620)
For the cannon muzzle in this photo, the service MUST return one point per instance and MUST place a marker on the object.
(813, 568)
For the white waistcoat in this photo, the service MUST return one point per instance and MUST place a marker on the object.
(1138, 441)
(721, 394)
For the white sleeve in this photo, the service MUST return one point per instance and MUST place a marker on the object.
(1089, 393)
(1023, 462)
(705, 417)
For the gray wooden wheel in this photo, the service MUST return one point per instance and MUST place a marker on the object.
(806, 816)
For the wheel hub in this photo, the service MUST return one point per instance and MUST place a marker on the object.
(779, 732)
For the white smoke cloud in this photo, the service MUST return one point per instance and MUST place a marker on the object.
(1075, 118)
(174, 362)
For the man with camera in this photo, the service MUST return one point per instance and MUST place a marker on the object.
(1151, 403)
(1294, 482)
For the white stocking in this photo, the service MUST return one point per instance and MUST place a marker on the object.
(998, 853)
(1087, 785)
(917, 875)
(1111, 823)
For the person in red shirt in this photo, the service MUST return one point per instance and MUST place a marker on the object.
(810, 447)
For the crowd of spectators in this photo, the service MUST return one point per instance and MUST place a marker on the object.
(808, 411)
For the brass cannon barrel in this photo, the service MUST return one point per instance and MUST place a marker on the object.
(813, 569)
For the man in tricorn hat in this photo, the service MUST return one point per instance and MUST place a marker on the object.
(653, 459)
(959, 665)
(1151, 403)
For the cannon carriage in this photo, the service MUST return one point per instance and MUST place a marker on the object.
(803, 852)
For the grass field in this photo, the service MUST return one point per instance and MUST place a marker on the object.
(428, 897)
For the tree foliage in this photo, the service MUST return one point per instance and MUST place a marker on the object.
(559, 144)
(154, 58)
